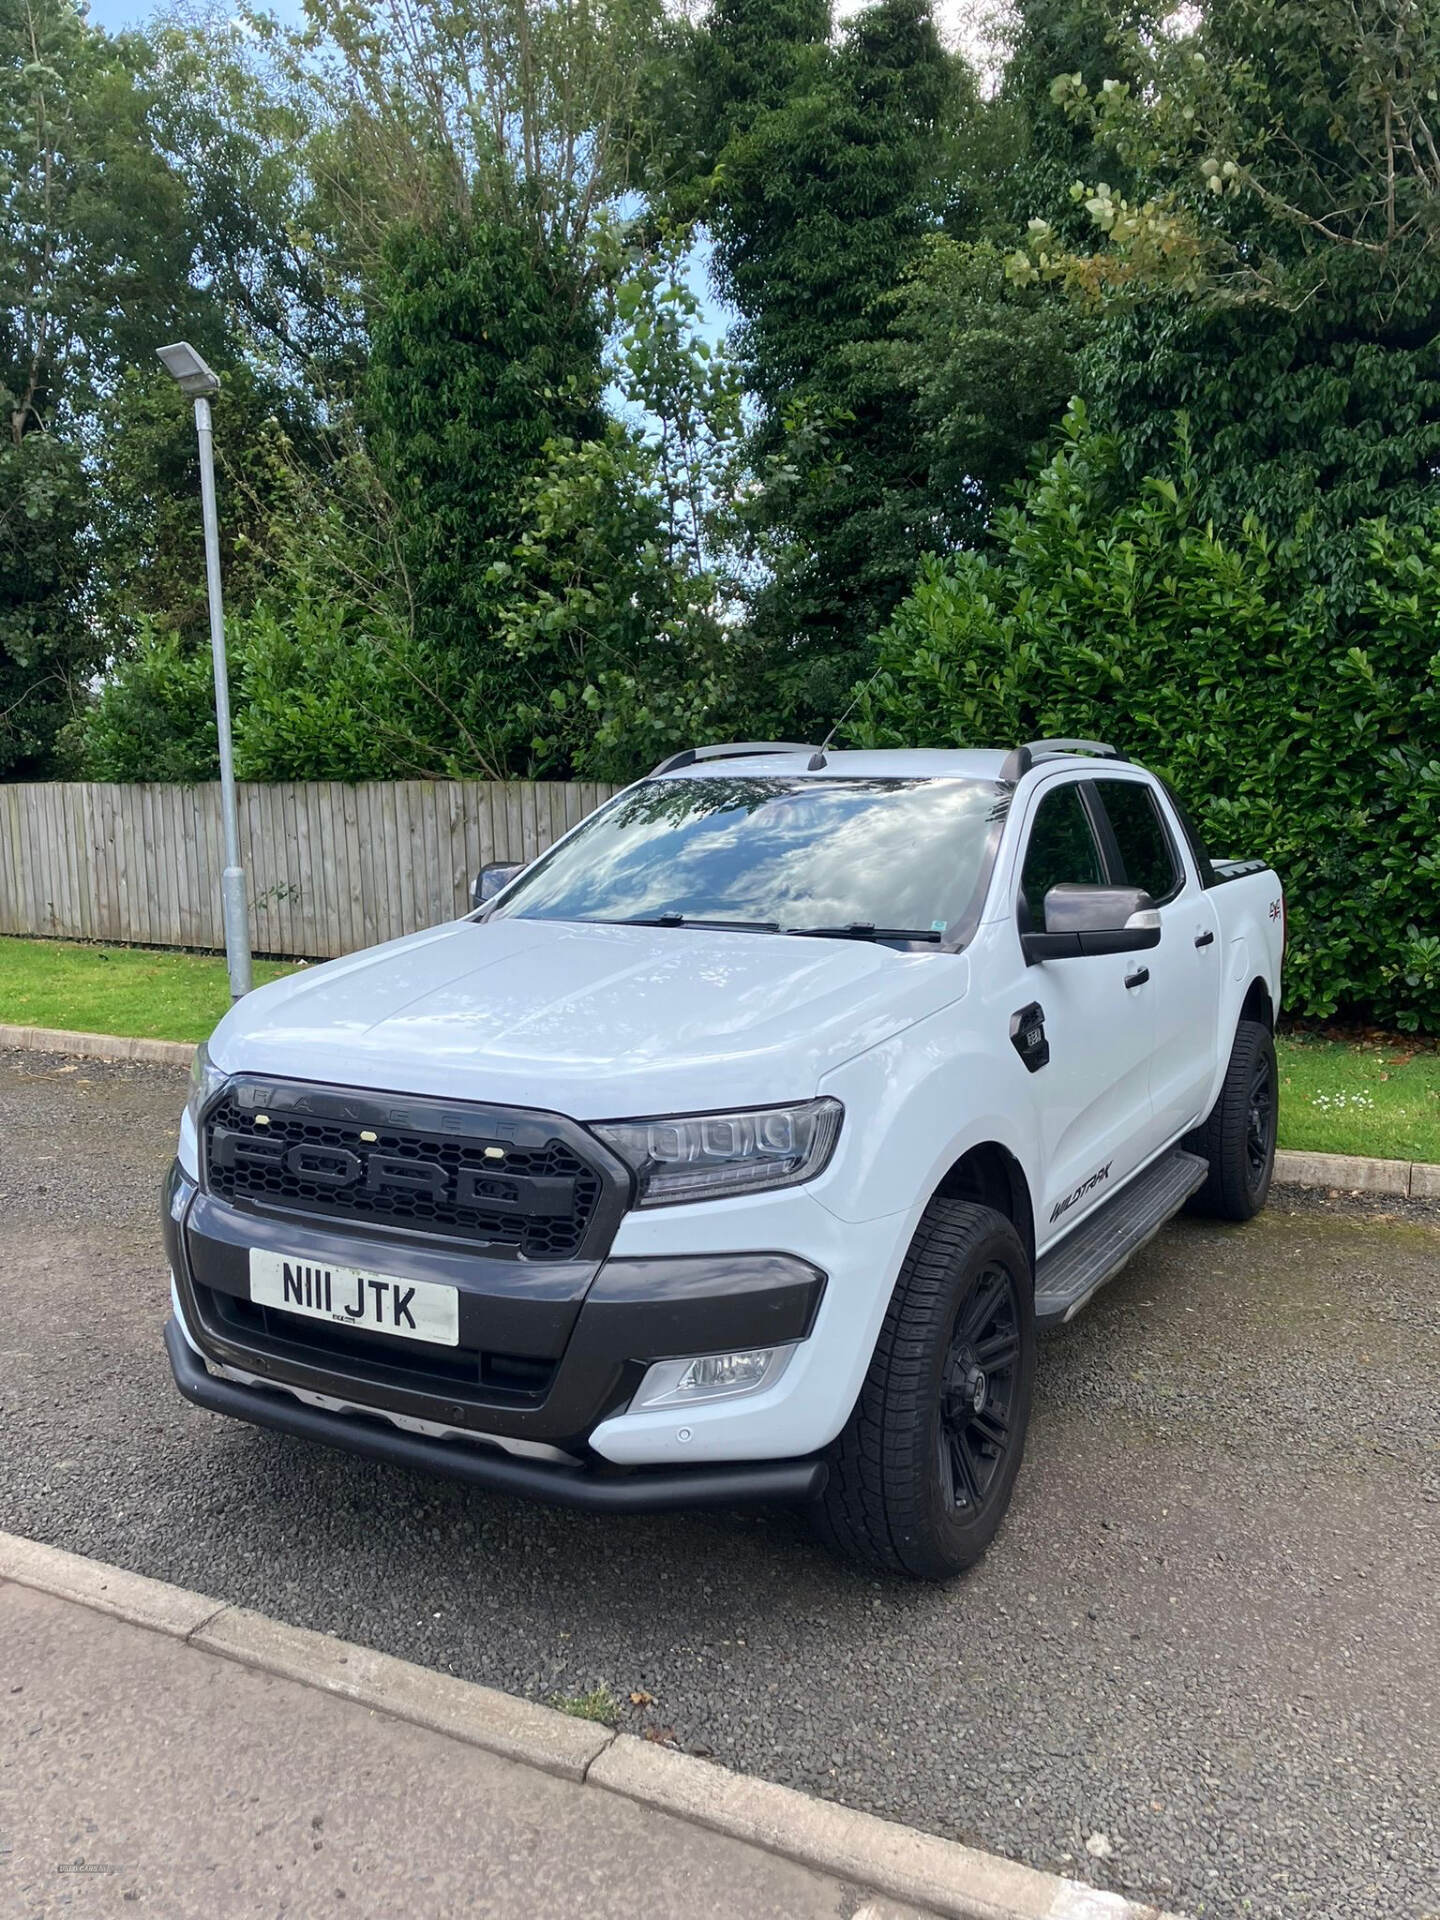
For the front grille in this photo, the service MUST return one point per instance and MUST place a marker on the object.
(534, 1196)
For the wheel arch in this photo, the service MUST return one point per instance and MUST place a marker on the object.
(990, 1175)
(1257, 1004)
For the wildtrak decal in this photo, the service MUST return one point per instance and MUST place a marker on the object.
(1085, 1186)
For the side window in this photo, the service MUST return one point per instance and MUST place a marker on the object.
(1145, 848)
(1062, 848)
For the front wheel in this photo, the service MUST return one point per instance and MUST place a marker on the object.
(1238, 1139)
(922, 1474)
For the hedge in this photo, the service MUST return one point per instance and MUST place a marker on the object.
(1291, 731)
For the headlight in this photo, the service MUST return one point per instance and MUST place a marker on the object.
(704, 1156)
(206, 1079)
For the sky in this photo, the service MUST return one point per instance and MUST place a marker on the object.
(962, 22)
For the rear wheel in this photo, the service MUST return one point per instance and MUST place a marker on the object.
(1238, 1139)
(922, 1474)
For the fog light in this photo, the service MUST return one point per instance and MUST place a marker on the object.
(711, 1376)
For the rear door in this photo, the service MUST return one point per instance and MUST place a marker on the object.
(1143, 849)
(1092, 1097)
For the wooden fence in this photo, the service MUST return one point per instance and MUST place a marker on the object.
(330, 868)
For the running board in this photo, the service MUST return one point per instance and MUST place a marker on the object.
(1095, 1252)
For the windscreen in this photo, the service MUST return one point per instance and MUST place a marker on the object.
(800, 855)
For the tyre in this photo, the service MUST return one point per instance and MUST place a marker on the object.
(922, 1474)
(1238, 1140)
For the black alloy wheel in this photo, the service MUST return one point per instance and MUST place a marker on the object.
(977, 1390)
(1261, 1117)
(922, 1473)
(1238, 1139)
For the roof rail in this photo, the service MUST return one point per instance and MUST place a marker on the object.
(728, 750)
(1020, 759)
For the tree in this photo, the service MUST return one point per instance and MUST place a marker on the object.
(981, 371)
(620, 621)
(520, 114)
(1274, 267)
(96, 244)
(819, 197)
(483, 351)
(45, 648)
(145, 502)
(100, 233)
(146, 188)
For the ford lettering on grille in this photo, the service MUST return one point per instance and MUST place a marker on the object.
(336, 1168)
(536, 1200)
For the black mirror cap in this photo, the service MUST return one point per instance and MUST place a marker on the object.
(1081, 921)
(1071, 908)
(491, 879)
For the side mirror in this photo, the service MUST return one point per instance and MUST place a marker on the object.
(490, 880)
(1085, 920)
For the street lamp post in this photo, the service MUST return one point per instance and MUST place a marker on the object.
(185, 366)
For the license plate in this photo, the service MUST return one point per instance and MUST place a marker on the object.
(372, 1302)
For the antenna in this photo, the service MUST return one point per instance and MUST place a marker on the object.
(817, 762)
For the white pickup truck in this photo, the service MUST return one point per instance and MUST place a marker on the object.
(736, 1148)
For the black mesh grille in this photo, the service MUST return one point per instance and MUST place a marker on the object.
(536, 1199)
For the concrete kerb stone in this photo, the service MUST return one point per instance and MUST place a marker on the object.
(99, 1046)
(90, 1583)
(515, 1729)
(1353, 1174)
(920, 1868)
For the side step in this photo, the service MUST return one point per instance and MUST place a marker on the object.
(1066, 1277)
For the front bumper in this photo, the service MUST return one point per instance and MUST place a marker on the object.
(573, 1339)
(596, 1489)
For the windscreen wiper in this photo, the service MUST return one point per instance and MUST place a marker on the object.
(699, 920)
(864, 930)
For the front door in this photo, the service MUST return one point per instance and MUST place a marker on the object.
(1185, 968)
(1092, 1097)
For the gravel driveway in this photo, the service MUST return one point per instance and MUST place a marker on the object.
(1206, 1643)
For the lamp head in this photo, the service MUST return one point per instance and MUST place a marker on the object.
(185, 366)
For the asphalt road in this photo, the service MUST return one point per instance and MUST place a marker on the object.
(1207, 1641)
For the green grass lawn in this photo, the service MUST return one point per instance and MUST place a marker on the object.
(1379, 1096)
(129, 990)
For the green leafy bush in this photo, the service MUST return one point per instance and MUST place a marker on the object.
(321, 689)
(1114, 611)
(329, 679)
(153, 717)
(330, 690)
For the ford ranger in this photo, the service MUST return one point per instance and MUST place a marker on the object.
(737, 1147)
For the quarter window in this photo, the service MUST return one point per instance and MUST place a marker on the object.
(1146, 851)
(1062, 850)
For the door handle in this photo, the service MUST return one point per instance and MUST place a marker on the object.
(1138, 978)
(1204, 939)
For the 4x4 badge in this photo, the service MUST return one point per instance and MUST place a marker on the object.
(1027, 1036)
